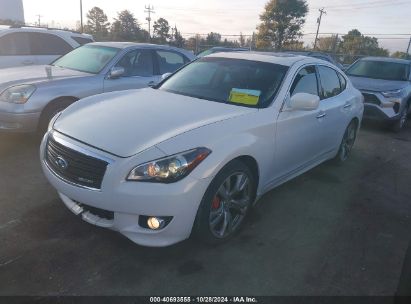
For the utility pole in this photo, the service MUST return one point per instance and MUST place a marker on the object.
(335, 45)
(81, 16)
(322, 11)
(408, 49)
(149, 10)
(39, 19)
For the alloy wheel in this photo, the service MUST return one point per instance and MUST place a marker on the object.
(348, 142)
(404, 118)
(230, 205)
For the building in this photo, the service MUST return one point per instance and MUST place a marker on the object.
(12, 10)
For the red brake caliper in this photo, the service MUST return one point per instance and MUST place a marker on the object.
(216, 203)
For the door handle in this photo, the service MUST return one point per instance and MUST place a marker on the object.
(27, 62)
(347, 105)
(321, 115)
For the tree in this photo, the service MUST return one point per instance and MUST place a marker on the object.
(228, 43)
(355, 44)
(241, 40)
(161, 30)
(294, 45)
(97, 23)
(125, 27)
(176, 38)
(401, 55)
(328, 44)
(281, 23)
(213, 39)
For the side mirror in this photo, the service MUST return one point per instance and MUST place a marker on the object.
(304, 102)
(165, 76)
(116, 72)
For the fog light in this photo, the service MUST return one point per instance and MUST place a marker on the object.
(155, 223)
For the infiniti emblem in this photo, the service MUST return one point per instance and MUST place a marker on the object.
(61, 163)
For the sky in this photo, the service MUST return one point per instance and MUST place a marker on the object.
(230, 17)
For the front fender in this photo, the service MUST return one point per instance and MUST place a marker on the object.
(249, 135)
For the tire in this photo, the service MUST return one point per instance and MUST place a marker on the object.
(49, 112)
(219, 208)
(401, 123)
(347, 143)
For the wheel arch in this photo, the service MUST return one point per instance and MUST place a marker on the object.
(252, 164)
(68, 99)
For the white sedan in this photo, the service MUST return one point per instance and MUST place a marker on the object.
(193, 155)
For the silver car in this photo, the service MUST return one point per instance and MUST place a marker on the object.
(386, 86)
(31, 96)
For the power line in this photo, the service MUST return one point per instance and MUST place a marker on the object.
(149, 10)
(366, 4)
(322, 11)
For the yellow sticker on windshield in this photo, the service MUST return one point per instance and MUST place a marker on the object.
(248, 97)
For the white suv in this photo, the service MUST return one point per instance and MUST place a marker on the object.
(21, 45)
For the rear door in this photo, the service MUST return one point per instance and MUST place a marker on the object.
(168, 61)
(139, 72)
(335, 102)
(48, 47)
(15, 50)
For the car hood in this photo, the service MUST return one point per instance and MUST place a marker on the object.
(34, 74)
(126, 123)
(376, 85)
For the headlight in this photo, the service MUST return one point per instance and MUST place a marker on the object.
(170, 169)
(18, 94)
(393, 94)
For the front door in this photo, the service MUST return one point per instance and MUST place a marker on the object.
(139, 72)
(300, 134)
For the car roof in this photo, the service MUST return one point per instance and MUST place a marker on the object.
(270, 57)
(222, 48)
(25, 28)
(387, 59)
(126, 45)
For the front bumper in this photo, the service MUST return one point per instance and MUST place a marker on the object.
(130, 200)
(379, 108)
(18, 122)
(376, 113)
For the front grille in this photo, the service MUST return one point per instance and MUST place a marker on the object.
(371, 98)
(75, 167)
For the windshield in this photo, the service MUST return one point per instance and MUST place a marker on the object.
(233, 81)
(380, 70)
(88, 58)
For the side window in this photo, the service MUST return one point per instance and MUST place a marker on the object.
(330, 82)
(305, 82)
(48, 44)
(343, 82)
(14, 44)
(169, 62)
(137, 63)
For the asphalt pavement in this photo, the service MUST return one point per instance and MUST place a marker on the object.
(336, 230)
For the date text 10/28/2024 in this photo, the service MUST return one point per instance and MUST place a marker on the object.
(203, 300)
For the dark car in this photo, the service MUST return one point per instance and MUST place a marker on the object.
(386, 86)
(319, 55)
